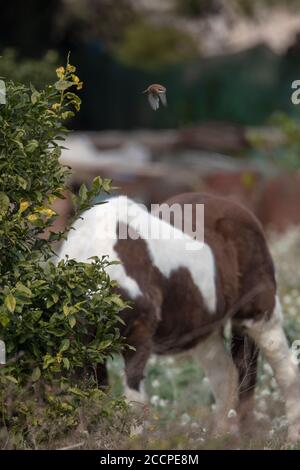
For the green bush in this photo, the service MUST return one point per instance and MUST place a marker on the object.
(56, 320)
(284, 152)
(150, 47)
(39, 72)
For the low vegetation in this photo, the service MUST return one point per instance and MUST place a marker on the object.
(39, 72)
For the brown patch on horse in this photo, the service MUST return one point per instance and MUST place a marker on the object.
(243, 262)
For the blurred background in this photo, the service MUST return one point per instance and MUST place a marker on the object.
(228, 65)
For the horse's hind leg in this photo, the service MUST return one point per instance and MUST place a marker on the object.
(140, 338)
(270, 337)
(223, 377)
(245, 356)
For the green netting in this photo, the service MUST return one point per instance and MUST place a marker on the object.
(245, 88)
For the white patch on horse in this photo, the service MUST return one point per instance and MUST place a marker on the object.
(169, 252)
(95, 234)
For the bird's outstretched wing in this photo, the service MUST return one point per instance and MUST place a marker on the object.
(163, 97)
(154, 101)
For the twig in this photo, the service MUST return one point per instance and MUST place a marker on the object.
(73, 446)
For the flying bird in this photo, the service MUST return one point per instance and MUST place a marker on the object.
(156, 92)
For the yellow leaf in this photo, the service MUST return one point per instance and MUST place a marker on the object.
(23, 206)
(10, 303)
(60, 72)
(75, 79)
(52, 198)
(71, 68)
(55, 106)
(32, 217)
(45, 211)
(36, 374)
(58, 358)
(66, 310)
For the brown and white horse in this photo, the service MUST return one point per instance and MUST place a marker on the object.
(184, 291)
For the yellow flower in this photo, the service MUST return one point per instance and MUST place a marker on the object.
(32, 217)
(59, 358)
(23, 206)
(60, 72)
(71, 68)
(52, 198)
(45, 211)
(75, 78)
(79, 85)
(55, 106)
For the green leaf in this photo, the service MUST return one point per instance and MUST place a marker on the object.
(23, 289)
(67, 115)
(77, 391)
(104, 344)
(31, 146)
(36, 374)
(66, 363)
(2, 92)
(34, 96)
(97, 184)
(48, 359)
(65, 344)
(22, 182)
(116, 299)
(72, 321)
(107, 185)
(49, 303)
(11, 379)
(10, 303)
(4, 319)
(83, 193)
(55, 298)
(62, 85)
(4, 203)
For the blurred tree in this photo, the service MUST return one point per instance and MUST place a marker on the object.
(32, 27)
(150, 46)
(86, 20)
